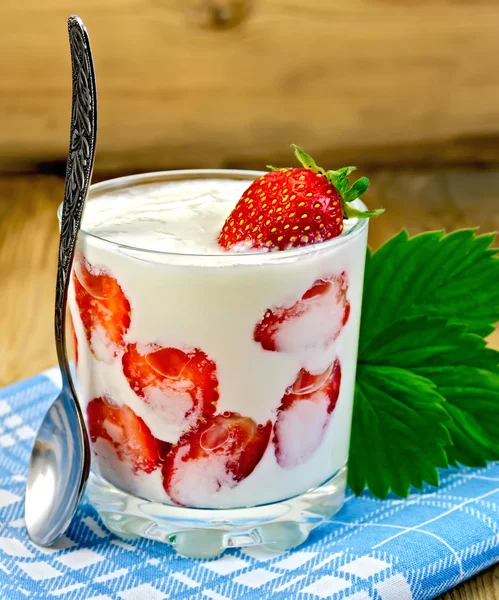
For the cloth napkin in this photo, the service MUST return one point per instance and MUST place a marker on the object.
(372, 549)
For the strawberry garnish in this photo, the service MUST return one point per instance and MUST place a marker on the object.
(103, 307)
(181, 385)
(128, 435)
(304, 414)
(315, 320)
(222, 451)
(294, 207)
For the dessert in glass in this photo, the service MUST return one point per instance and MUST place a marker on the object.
(217, 385)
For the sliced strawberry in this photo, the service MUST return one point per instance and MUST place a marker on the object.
(288, 208)
(129, 436)
(313, 321)
(217, 455)
(181, 386)
(104, 308)
(304, 414)
(74, 339)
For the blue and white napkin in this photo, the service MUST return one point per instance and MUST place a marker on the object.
(379, 550)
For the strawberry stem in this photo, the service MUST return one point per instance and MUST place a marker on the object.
(339, 180)
(349, 212)
(306, 161)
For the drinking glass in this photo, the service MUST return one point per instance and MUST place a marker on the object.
(218, 388)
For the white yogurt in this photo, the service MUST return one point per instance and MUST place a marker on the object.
(188, 294)
(181, 216)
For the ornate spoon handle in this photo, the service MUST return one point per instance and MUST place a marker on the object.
(78, 172)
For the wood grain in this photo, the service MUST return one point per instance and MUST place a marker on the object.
(28, 260)
(416, 200)
(484, 586)
(386, 80)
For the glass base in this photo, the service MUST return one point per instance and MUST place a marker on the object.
(206, 533)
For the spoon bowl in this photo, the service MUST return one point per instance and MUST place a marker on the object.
(57, 473)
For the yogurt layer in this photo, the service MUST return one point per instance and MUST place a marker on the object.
(209, 378)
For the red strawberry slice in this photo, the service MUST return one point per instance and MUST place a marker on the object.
(313, 321)
(217, 455)
(103, 307)
(293, 207)
(304, 414)
(74, 339)
(128, 435)
(181, 386)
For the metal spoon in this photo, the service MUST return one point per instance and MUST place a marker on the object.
(60, 461)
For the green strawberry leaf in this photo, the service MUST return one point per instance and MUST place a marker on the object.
(306, 160)
(338, 179)
(439, 366)
(452, 276)
(350, 212)
(398, 431)
(468, 378)
(346, 170)
(427, 342)
(357, 189)
(472, 396)
(271, 168)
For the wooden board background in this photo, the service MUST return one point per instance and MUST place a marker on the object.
(375, 81)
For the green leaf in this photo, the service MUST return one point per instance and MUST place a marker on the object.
(468, 378)
(307, 161)
(271, 168)
(339, 180)
(452, 276)
(472, 396)
(398, 433)
(351, 212)
(421, 341)
(357, 189)
(439, 365)
(343, 172)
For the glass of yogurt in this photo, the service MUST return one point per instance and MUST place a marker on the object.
(217, 386)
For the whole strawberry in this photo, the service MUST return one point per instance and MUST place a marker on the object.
(293, 207)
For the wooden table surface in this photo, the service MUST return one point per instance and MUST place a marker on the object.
(177, 87)
(416, 200)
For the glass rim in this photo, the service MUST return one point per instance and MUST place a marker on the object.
(129, 181)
